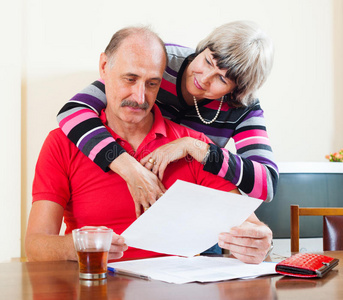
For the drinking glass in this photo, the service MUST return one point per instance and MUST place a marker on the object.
(92, 245)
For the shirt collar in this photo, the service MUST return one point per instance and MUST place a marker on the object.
(158, 127)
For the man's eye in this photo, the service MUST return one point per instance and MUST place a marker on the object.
(130, 80)
(153, 84)
(207, 61)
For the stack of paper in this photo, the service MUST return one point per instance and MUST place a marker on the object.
(174, 269)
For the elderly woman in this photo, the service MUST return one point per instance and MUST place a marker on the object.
(211, 90)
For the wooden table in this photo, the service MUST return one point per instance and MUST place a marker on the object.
(59, 280)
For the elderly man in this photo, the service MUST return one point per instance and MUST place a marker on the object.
(67, 184)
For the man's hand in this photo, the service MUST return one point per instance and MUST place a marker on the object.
(144, 186)
(118, 247)
(249, 242)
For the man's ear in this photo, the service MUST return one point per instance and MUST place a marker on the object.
(102, 65)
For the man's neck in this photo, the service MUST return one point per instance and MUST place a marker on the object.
(133, 133)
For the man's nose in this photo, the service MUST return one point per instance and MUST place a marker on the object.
(139, 93)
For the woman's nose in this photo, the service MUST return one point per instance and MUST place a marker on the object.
(206, 77)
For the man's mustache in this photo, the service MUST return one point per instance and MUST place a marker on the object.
(134, 104)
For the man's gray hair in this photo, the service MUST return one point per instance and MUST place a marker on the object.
(246, 52)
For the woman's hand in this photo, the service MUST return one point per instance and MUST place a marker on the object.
(144, 186)
(158, 160)
(249, 242)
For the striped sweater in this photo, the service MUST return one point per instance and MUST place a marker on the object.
(252, 169)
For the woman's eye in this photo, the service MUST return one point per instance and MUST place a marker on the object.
(208, 62)
(222, 79)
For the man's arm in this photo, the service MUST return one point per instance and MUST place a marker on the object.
(42, 237)
(249, 242)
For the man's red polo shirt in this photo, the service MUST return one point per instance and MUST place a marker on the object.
(92, 197)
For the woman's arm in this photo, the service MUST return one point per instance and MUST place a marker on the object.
(80, 122)
(253, 169)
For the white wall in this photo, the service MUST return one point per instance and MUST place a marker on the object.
(62, 40)
(10, 155)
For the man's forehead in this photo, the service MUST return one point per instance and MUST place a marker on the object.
(143, 46)
(141, 42)
(133, 59)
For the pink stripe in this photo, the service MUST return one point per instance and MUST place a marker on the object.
(256, 140)
(71, 116)
(250, 133)
(99, 147)
(76, 119)
(168, 86)
(260, 181)
(102, 81)
(225, 164)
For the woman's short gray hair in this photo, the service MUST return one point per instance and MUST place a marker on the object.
(246, 52)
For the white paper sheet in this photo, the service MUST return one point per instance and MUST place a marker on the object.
(187, 219)
(180, 270)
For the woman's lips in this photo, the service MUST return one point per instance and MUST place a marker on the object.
(196, 83)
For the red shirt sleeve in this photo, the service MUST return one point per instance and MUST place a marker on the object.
(51, 180)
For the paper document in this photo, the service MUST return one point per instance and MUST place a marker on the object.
(187, 219)
(174, 269)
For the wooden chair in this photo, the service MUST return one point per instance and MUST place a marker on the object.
(332, 236)
(297, 211)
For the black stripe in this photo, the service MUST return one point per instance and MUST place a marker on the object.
(274, 178)
(254, 147)
(71, 105)
(89, 146)
(107, 155)
(99, 85)
(215, 160)
(248, 179)
(230, 174)
(79, 130)
(249, 127)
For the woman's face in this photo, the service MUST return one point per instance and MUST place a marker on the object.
(205, 80)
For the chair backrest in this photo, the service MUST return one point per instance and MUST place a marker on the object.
(297, 211)
(332, 237)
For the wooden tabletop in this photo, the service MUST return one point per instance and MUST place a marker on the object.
(59, 280)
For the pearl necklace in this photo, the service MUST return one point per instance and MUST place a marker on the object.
(199, 115)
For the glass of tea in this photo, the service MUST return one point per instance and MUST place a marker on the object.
(92, 245)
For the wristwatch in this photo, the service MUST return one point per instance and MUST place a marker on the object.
(206, 156)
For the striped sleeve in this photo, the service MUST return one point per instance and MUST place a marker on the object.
(252, 169)
(79, 121)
